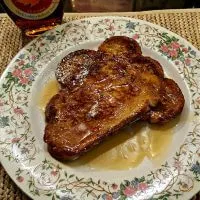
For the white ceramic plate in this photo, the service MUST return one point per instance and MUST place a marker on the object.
(24, 154)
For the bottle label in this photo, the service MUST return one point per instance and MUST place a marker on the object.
(32, 9)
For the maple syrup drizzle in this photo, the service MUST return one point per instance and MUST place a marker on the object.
(128, 148)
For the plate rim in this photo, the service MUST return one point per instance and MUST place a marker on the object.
(63, 25)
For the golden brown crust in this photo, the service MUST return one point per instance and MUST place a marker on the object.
(163, 113)
(112, 95)
(171, 103)
(119, 87)
(120, 46)
(144, 63)
(75, 67)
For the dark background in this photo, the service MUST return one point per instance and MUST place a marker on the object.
(134, 5)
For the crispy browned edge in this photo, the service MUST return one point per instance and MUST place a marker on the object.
(132, 50)
(69, 80)
(50, 111)
(59, 153)
(152, 64)
(166, 112)
(73, 153)
(171, 104)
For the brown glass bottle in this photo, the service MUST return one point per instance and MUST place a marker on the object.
(34, 16)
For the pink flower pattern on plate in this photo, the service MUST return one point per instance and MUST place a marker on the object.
(54, 172)
(187, 61)
(142, 186)
(33, 57)
(178, 165)
(135, 37)
(24, 80)
(17, 73)
(164, 48)
(111, 28)
(21, 63)
(114, 186)
(28, 71)
(129, 191)
(20, 179)
(173, 53)
(15, 140)
(108, 197)
(24, 76)
(185, 50)
(198, 100)
(175, 45)
(18, 111)
(176, 62)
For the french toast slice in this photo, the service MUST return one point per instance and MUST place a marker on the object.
(170, 90)
(145, 63)
(75, 67)
(171, 103)
(171, 98)
(113, 94)
(120, 46)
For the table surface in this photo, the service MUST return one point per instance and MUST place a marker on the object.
(185, 23)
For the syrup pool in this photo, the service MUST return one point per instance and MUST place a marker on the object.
(128, 148)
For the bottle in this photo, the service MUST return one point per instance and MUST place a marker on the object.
(34, 16)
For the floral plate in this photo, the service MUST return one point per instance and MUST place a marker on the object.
(24, 154)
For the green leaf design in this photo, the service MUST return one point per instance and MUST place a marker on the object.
(131, 25)
(4, 121)
(72, 175)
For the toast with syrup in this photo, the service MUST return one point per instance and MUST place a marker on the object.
(104, 90)
(171, 98)
(113, 94)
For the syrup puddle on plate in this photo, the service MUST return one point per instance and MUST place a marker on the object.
(50, 89)
(128, 148)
